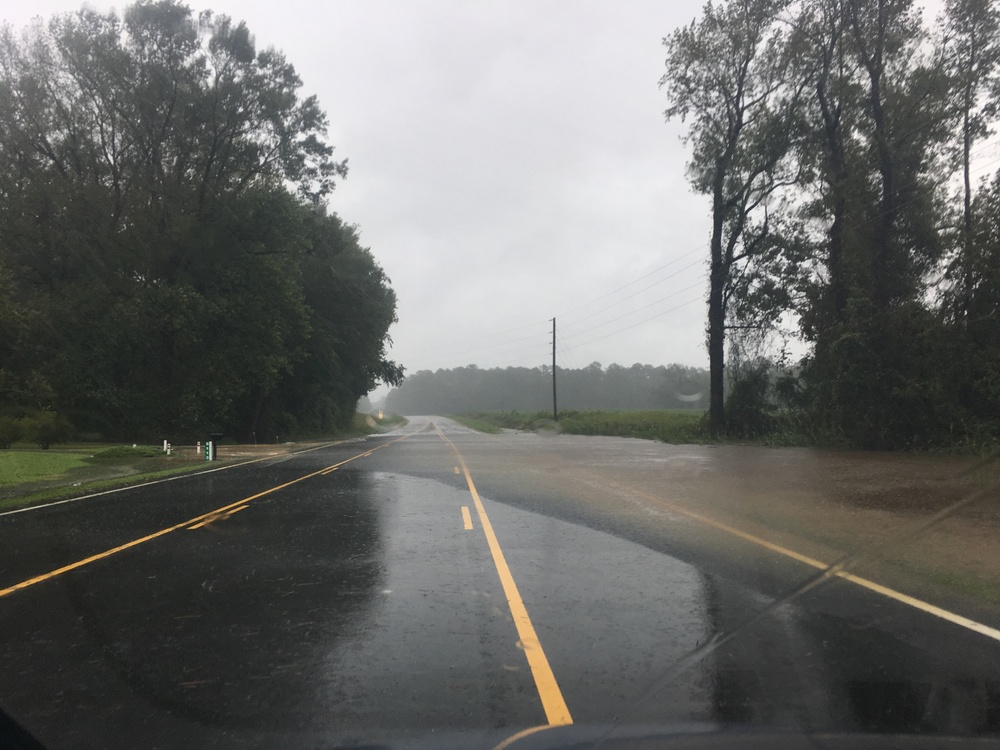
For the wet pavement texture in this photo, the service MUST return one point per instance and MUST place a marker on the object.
(353, 607)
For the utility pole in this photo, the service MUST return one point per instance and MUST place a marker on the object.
(555, 410)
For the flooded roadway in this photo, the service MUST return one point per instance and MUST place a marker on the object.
(354, 605)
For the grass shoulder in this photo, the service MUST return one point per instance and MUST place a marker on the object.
(90, 487)
(480, 425)
(669, 426)
(30, 475)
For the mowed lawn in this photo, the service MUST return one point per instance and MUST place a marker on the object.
(17, 467)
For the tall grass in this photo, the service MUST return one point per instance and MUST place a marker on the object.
(476, 424)
(668, 426)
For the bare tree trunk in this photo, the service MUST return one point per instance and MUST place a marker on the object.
(967, 280)
(716, 357)
(838, 184)
(882, 292)
(872, 57)
(717, 315)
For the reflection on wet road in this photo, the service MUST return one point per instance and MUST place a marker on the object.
(349, 596)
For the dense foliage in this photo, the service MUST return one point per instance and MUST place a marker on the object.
(167, 266)
(471, 389)
(838, 141)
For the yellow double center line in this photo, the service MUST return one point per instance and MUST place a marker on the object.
(889, 593)
(218, 517)
(195, 522)
(556, 711)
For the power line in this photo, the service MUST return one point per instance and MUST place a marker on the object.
(678, 259)
(460, 360)
(981, 167)
(455, 343)
(639, 323)
(977, 169)
(517, 342)
(479, 339)
(567, 361)
(636, 310)
(637, 293)
(541, 340)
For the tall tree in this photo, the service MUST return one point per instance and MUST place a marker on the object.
(970, 42)
(726, 77)
(904, 105)
(827, 155)
(887, 124)
(866, 228)
(976, 368)
(160, 180)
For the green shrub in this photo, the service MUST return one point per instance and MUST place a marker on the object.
(46, 428)
(10, 432)
(124, 451)
(749, 411)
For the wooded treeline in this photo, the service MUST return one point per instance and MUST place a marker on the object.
(844, 147)
(471, 389)
(167, 265)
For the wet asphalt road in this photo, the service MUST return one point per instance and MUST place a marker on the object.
(354, 606)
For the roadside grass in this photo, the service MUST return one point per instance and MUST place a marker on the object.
(90, 487)
(18, 467)
(963, 581)
(666, 425)
(124, 451)
(507, 420)
(477, 424)
(29, 475)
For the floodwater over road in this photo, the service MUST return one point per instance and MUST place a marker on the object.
(443, 588)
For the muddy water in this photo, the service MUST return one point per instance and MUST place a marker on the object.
(820, 503)
(752, 521)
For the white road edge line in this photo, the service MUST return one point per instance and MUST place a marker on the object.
(165, 479)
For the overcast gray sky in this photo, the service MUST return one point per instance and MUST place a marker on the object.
(509, 162)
